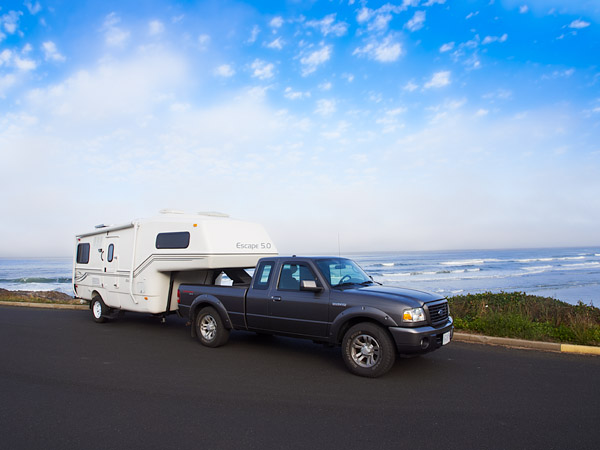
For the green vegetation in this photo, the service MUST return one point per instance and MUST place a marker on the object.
(522, 316)
(37, 297)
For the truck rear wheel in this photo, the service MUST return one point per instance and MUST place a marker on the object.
(99, 309)
(210, 329)
(368, 350)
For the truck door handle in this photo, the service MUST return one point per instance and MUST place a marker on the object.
(276, 298)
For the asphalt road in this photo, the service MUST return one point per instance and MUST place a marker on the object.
(69, 383)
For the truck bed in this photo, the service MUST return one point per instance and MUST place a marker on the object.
(232, 297)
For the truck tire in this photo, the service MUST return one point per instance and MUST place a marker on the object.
(99, 309)
(210, 329)
(368, 350)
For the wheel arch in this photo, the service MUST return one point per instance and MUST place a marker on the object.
(353, 316)
(208, 300)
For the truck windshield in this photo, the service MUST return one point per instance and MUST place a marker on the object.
(342, 271)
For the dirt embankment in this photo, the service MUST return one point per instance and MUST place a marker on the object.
(37, 297)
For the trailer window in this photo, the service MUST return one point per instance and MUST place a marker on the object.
(111, 252)
(83, 253)
(180, 239)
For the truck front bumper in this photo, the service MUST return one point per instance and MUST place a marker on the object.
(421, 339)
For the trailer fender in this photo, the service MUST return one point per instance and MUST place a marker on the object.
(356, 314)
(208, 300)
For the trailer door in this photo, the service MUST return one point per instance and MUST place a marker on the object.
(112, 282)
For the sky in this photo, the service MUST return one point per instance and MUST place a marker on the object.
(340, 125)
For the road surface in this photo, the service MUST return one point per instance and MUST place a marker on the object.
(69, 383)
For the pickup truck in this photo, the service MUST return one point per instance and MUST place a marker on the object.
(330, 300)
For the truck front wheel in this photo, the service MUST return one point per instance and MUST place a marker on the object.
(210, 329)
(368, 350)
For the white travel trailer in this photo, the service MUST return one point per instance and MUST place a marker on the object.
(139, 266)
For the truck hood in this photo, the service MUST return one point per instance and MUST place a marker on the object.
(409, 297)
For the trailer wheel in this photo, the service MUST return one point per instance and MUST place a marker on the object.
(368, 350)
(99, 309)
(210, 329)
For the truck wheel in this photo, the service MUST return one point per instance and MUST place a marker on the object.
(368, 350)
(210, 329)
(99, 309)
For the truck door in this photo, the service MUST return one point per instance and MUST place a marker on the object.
(292, 310)
(258, 297)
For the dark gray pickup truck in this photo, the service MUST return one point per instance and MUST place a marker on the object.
(327, 299)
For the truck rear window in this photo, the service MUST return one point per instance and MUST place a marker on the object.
(263, 275)
(179, 239)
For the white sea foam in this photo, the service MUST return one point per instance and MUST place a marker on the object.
(388, 264)
(530, 260)
(464, 262)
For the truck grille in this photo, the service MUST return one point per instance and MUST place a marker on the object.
(438, 312)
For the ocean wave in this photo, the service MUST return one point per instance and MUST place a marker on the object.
(37, 280)
(464, 262)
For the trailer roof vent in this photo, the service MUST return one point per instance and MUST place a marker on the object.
(213, 214)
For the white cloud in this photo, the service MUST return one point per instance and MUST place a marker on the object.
(33, 8)
(438, 80)
(471, 15)
(523, 9)
(433, 2)
(482, 112)
(276, 22)
(10, 21)
(262, 69)
(24, 64)
(113, 35)
(155, 27)
(325, 86)
(203, 41)
(447, 47)
(388, 50)
(276, 44)
(410, 86)
(5, 56)
(51, 53)
(295, 95)
(253, 34)
(491, 39)
(6, 82)
(579, 24)
(313, 60)
(328, 25)
(325, 107)
(225, 71)
(417, 21)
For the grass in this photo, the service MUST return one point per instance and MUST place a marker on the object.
(522, 316)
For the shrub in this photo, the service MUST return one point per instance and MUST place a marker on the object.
(518, 315)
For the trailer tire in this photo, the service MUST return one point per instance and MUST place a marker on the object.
(368, 350)
(210, 330)
(99, 309)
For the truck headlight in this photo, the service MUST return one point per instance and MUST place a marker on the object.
(414, 315)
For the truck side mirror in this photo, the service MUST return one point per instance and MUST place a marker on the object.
(310, 285)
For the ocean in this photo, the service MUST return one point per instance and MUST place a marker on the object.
(567, 274)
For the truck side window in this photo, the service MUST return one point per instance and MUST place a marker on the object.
(293, 274)
(83, 253)
(111, 252)
(263, 275)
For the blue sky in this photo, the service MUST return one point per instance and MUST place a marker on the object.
(408, 125)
